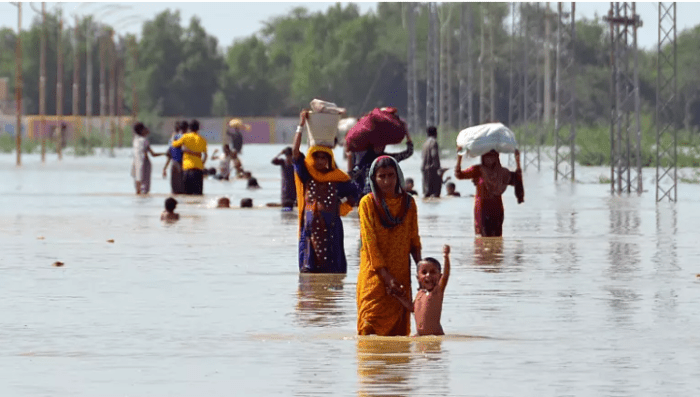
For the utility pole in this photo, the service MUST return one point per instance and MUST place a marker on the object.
(121, 62)
(547, 65)
(412, 84)
(134, 97)
(431, 105)
(59, 84)
(465, 66)
(42, 82)
(76, 69)
(102, 43)
(88, 92)
(565, 88)
(112, 90)
(18, 84)
(625, 129)
(666, 102)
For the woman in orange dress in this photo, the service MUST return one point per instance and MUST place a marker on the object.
(389, 234)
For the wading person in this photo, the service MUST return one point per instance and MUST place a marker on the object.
(430, 165)
(288, 193)
(177, 182)
(193, 158)
(491, 180)
(321, 190)
(389, 234)
(141, 166)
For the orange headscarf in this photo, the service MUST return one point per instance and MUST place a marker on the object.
(334, 175)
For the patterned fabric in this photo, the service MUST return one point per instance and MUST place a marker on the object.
(377, 312)
(321, 236)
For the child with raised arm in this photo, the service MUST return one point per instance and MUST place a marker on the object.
(427, 308)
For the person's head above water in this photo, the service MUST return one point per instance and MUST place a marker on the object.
(409, 183)
(429, 273)
(252, 183)
(246, 202)
(170, 204)
(223, 202)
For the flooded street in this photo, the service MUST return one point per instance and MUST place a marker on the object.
(586, 294)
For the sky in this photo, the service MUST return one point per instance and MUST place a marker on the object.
(229, 21)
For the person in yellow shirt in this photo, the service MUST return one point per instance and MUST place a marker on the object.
(193, 158)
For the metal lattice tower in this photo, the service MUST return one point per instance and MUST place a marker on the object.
(412, 83)
(466, 68)
(625, 130)
(515, 103)
(487, 95)
(666, 102)
(532, 109)
(432, 70)
(565, 88)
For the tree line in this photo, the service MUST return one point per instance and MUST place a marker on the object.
(359, 61)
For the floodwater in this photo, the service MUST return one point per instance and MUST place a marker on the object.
(586, 294)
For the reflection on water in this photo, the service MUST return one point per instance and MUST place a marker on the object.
(586, 295)
(488, 253)
(319, 300)
(383, 366)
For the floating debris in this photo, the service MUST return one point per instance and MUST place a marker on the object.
(58, 264)
(110, 240)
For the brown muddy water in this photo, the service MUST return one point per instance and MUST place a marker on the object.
(586, 294)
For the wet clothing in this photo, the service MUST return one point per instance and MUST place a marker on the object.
(289, 190)
(490, 185)
(388, 231)
(224, 169)
(430, 168)
(364, 160)
(378, 312)
(177, 184)
(175, 152)
(195, 143)
(321, 238)
(177, 179)
(141, 166)
(193, 181)
(235, 139)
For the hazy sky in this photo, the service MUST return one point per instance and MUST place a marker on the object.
(233, 20)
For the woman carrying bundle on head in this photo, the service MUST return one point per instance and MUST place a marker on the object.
(491, 180)
(321, 188)
(389, 233)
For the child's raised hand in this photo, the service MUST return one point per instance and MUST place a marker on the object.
(446, 249)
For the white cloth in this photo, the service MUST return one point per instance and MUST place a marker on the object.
(481, 139)
(141, 166)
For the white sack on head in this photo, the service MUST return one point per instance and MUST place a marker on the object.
(481, 139)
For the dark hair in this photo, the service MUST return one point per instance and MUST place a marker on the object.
(170, 204)
(409, 180)
(432, 131)
(139, 127)
(184, 126)
(223, 200)
(178, 126)
(430, 260)
(386, 161)
(246, 202)
(194, 125)
(450, 184)
(226, 146)
(252, 182)
(287, 151)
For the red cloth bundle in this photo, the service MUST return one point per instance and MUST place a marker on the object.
(380, 127)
